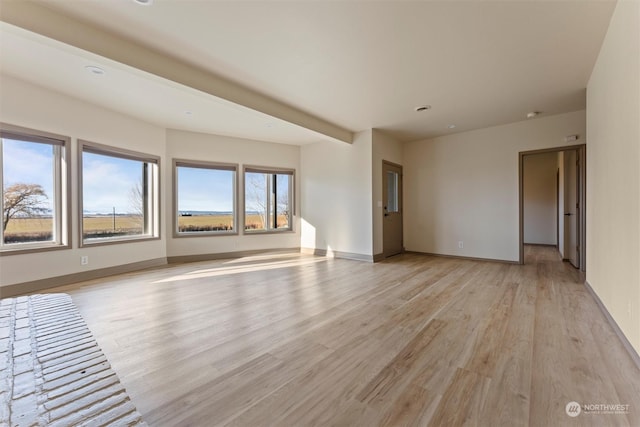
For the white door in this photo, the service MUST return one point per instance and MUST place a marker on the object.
(392, 209)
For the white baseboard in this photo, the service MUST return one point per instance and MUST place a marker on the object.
(337, 254)
(67, 279)
(226, 255)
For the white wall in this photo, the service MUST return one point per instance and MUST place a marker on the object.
(464, 187)
(23, 104)
(26, 105)
(214, 148)
(540, 204)
(613, 171)
(389, 149)
(336, 196)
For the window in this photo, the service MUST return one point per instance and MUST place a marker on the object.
(393, 204)
(205, 201)
(34, 179)
(268, 199)
(119, 194)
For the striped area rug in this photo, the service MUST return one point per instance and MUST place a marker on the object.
(52, 371)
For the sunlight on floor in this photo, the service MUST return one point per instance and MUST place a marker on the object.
(236, 269)
(285, 255)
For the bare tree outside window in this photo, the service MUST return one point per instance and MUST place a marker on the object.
(268, 200)
(256, 200)
(33, 192)
(23, 200)
(136, 205)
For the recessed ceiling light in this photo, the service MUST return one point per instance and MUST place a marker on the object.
(188, 113)
(423, 108)
(451, 126)
(144, 2)
(532, 114)
(95, 70)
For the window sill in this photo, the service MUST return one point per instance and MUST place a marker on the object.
(29, 248)
(116, 241)
(283, 231)
(180, 235)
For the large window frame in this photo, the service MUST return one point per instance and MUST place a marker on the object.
(217, 166)
(61, 221)
(150, 193)
(271, 194)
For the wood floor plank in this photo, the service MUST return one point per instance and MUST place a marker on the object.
(288, 339)
(400, 364)
(462, 403)
(488, 345)
(326, 386)
(508, 397)
(415, 406)
(550, 387)
(620, 368)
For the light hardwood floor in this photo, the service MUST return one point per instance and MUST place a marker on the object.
(296, 340)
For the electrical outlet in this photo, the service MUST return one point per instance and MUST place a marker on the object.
(84, 260)
(461, 244)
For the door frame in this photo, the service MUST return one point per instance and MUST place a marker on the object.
(581, 150)
(558, 208)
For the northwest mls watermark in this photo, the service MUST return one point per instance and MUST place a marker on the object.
(573, 409)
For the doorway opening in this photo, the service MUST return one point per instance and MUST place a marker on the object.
(553, 201)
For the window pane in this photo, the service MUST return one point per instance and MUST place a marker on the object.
(392, 192)
(28, 191)
(205, 199)
(256, 201)
(114, 196)
(268, 201)
(283, 207)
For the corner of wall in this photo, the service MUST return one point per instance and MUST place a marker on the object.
(336, 196)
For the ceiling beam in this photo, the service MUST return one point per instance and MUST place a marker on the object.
(60, 27)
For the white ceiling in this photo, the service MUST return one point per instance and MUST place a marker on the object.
(60, 67)
(357, 65)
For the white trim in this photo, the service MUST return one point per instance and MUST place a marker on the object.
(338, 254)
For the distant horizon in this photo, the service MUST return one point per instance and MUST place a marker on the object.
(180, 212)
(86, 213)
(192, 212)
(110, 183)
